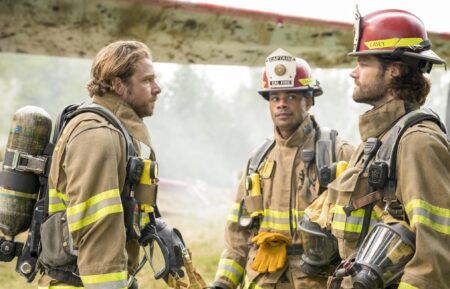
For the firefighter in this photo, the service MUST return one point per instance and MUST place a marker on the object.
(262, 243)
(398, 179)
(88, 173)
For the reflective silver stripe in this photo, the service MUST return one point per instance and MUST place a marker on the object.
(121, 284)
(57, 201)
(117, 280)
(91, 210)
(354, 222)
(437, 218)
(231, 270)
(434, 218)
(279, 220)
(104, 204)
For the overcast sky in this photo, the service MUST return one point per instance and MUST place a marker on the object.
(432, 12)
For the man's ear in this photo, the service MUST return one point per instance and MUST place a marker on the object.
(118, 86)
(395, 69)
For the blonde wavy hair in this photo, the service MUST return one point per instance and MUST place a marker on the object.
(117, 59)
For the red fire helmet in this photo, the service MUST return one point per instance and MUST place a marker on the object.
(284, 72)
(397, 34)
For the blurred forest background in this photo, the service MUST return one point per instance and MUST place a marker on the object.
(207, 121)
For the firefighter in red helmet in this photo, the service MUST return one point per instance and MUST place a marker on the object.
(395, 35)
(391, 212)
(263, 247)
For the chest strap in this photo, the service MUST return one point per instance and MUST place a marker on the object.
(382, 171)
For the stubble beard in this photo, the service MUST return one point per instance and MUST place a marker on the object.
(371, 93)
(141, 110)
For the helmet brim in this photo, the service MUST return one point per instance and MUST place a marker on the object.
(265, 92)
(427, 55)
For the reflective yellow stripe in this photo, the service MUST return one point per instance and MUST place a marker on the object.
(354, 228)
(437, 218)
(231, 270)
(92, 201)
(96, 216)
(222, 273)
(103, 278)
(57, 201)
(8, 193)
(233, 264)
(59, 287)
(279, 220)
(249, 285)
(404, 285)
(393, 42)
(354, 222)
(145, 219)
(233, 216)
(53, 208)
(275, 226)
(55, 193)
(272, 219)
(306, 81)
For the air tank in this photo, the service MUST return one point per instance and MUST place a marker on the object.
(29, 134)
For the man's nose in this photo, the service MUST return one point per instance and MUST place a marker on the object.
(282, 103)
(156, 89)
(353, 73)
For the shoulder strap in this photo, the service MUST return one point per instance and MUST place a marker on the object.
(260, 153)
(382, 171)
(325, 146)
(109, 116)
(387, 152)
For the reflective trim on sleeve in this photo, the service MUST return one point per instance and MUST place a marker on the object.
(233, 216)
(93, 209)
(57, 201)
(230, 270)
(437, 218)
(250, 285)
(404, 285)
(272, 219)
(279, 220)
(116, 280)
(354, 222)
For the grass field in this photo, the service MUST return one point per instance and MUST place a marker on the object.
(203, 234)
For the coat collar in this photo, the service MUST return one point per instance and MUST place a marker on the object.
(378, 121)
(303, 133)
(133, 123)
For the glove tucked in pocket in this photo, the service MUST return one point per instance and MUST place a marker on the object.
(271, 255)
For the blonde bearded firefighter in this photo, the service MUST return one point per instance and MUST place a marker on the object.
(392, 203)
(102, 189)
(262, 245)
(88, 174)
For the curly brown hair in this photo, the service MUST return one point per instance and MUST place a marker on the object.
(411, 86)
(117, 59)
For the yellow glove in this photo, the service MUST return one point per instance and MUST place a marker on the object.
(271, 255)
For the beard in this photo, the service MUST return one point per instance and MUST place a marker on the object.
(370, 93)
(142, 109)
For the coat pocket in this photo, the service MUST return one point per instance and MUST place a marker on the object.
(249, 272)
(56, 243)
